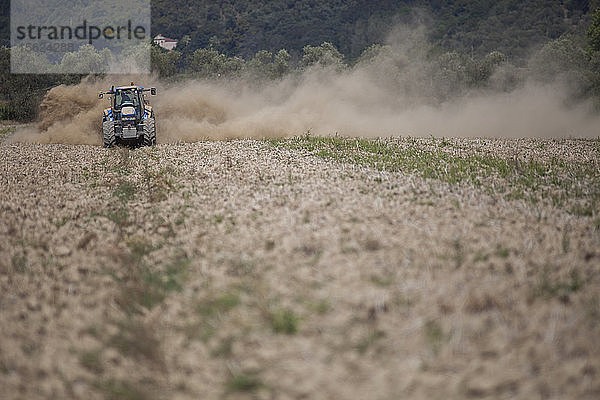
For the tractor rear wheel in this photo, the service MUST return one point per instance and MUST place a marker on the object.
(108, 131)
(149, 132)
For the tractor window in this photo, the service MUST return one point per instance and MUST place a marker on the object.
(126, 97)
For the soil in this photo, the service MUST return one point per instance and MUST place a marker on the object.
(236, 269)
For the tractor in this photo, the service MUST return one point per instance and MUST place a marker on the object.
(130, 119)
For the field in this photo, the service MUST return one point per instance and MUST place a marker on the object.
(301, 268)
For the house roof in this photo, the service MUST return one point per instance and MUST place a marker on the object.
(166, 39)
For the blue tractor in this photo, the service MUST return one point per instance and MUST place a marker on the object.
(130, 118)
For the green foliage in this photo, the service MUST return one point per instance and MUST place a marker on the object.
(137, 340)
(490, 63)
(92, 360)
(19, 263)
(593, 32)
(243, 383)
(281, 64)
(144, 285)
(260, 65)
(24, 60)
(469, 46)
(549, 286)
(4, 24)
(243, 27)
(456, 72)
(87, 58)
(119, 216)
(561, 56)
(164, 62)
(594, 76)
(511, 26)
(265, 65)
(213, 306)
(5, 131)
(568, 59)
(325, 55)
(125, 192)
(373, 53)
(593, 35)
(369, 340)
(122, 390)
(209, 63)
(284, 321)
(434, 335)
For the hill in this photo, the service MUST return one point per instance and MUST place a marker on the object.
(242, 27)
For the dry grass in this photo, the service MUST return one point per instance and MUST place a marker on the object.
(301, 268)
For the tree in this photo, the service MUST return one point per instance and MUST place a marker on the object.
(265, 65)
(26, 61)
(481, 71)
(559, 57)
(281, 64)
(594, 57)
(209, 63)
(261, 64)
(134, 59)
(164, 62)
(87, 60)
(232, 67)
(374, 52)
(325, 55)
(452, 66)
(593, 32)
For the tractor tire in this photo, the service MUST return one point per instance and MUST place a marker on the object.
(108, 134)
(149, 132)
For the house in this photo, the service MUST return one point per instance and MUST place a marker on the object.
(165, 42)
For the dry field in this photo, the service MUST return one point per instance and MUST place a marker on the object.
(302, 268)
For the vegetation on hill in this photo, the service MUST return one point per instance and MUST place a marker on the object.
(243, 27)
(467, 42)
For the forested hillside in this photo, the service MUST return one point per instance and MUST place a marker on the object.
(242, 27)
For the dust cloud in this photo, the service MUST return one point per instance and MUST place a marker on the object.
(396, 92)
(68, 114)
(350, 104)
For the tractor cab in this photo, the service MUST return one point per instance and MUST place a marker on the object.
(128, 102)
(130, 97)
